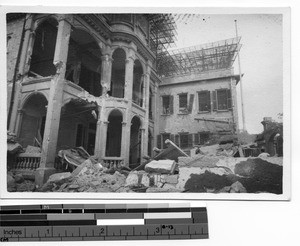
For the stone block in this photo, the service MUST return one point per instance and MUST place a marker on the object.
(237, 187)
(171, 179)
(59, 177)
(161, 166)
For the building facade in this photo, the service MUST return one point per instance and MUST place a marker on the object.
(101, 81)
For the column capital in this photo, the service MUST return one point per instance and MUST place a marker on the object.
(130, 59)
(124, 123)
(65, 17)
(107, 58)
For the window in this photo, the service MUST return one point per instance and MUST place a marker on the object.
(184, 140)
(183, 103)
(167, 105)
(222, 99)
(204, 101)
(204, 137)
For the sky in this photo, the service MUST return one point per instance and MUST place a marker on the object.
(261, 58)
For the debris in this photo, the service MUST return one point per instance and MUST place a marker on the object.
(161, 166)
(11, 185)
(32, 149)
(14, 148)
(237, 187)
(264, 155)
(59, 178)
(172, 152)
(19, 178)
(74, 157)
(198, 161)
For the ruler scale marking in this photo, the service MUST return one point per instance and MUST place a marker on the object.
(78, 222)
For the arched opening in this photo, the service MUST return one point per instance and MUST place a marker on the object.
(135, 142)
(137, 86)
(43, 49)
(77, 126)
(150, 145)
(118, 74)
(84, 62)
(114, 134)
(33, 120)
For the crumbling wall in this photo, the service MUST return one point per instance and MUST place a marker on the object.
(14, 33)
(178, 122)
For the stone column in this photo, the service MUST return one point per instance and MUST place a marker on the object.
(106, 67)
(146, 120)
(55, 103)
(104, 126)
(129, 64)
(128, 97)
(18, 122)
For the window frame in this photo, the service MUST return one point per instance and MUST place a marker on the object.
(183, 110)
(209, 102)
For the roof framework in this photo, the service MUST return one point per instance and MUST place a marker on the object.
(162, 32)
(198, 59)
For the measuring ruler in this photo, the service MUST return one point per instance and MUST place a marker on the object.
(87, 222)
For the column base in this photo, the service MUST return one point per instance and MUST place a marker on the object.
(42, 174)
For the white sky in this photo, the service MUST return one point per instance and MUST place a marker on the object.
(261, 58)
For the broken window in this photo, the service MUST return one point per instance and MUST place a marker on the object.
(183, 103)
(118, 74)
(43, 49)
(204, 101)
(137, 86)
(184, 140)
(167, 104)
(84, 62)
(204, 137)
(222, 99)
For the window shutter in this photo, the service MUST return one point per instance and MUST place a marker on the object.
(229, 100)
(191, 102)
(196, 139)
(177, 139)
(190, 140)
(208, 101)
(159, 141)
(171, 104)
(214, 94)
(172, 138)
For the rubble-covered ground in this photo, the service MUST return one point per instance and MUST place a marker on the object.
(203, 172)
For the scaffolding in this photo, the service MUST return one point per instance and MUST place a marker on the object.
(198, 59)
(162, 32)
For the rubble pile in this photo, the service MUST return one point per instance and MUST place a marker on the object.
(87, 177)
(214, 169)
(20, 182)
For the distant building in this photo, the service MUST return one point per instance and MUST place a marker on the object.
(107, 82)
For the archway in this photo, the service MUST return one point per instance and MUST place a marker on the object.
(137, 86)
(77, 126)
(84, 62)
(135, 142)
(118, 74)
(43, 49)
(114, 134)
(33, 120)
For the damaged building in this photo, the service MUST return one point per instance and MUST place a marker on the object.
(108, 83)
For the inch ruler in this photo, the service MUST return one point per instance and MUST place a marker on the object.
(95, 222)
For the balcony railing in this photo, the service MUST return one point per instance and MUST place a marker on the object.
(113, 162)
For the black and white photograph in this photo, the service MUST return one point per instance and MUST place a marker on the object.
(167, 103)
